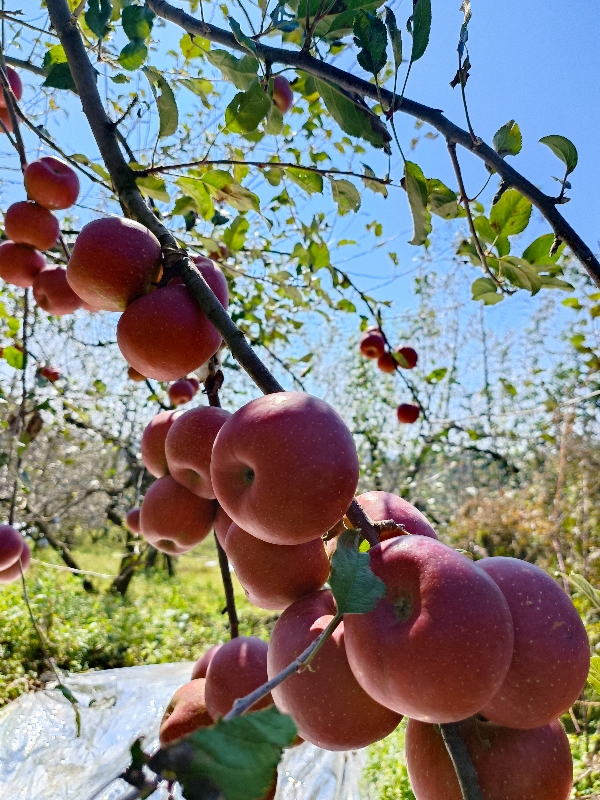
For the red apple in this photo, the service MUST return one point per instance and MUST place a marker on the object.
(153, 442)
(114, 261)
(52, 292)
(51, 183)
(273, 575)
(328, 706)
(372, 343)
(11, 546)
(185, 713)
(438, 646)
(6, 121)
(283, 97)
(222, 525)
(165, 334)
(181, 392)
(387, 363)
(15, 83)
(408, 357)
(132, 520)
(201, 666)
(383, 505)
(213, 275)
(20, 264)
(194, 381)
(28, 223)
(13, 573)
(510, 764)
(236, 669)
(189, 448)
(284, 467)
(551, 655)
(174, 520)
(51, 373)
(134, 375)
(408, 413)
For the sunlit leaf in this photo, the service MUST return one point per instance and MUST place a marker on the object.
(355, 588)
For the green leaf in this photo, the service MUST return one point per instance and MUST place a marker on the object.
(239, 71)
(168, 114)
(133, 55)
(57, 70)
(421, 28)
(240, 36)
(572, 302)
(224, 188)
(199, 194)
(97, 17)
(437, 375)
(248, 109)
(395, 37)
(511, 214)
(416, 188)
(585, 588)
(552, 282)
(484, 289)
(370, 36)
(353, 119)
(346, 305)
(355, 588)
(274, 123)
(13, 357)
(443, 201)
(374, 186)
(346, 195)
(564, 149)
(234, 236)
(508, 140)
(199, 86)
(484, 230)
(240, 756)
(520, 274)
(120, 77)
(594, 674)
(137, 21)
(311, 182)
(154, 187)
(508, 387)
(193, 48)
(538, 252)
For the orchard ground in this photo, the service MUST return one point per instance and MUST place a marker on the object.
(165, 619)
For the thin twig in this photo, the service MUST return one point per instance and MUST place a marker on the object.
(463, 766)
(234, 625)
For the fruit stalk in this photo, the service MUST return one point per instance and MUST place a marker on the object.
(463, 766)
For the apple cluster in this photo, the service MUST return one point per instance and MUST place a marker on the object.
(15, 555)
(373, 345)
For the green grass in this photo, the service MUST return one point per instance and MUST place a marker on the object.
(385, 776)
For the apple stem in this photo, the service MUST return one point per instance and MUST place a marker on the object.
(363, 523)
(461, 760)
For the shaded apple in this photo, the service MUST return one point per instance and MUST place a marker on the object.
(11, 546)
(407, 357)
(153, 442)
(372, 343)
(181, 392)
(222, 524)
(28, 223)
(134, 375)
(236, 669)
(408, 413)
(132, 520)
(387, 363)
(52, 292)
(20, 264)
(51, 373)
(185, 713)
(201, 666)
(283, 96)
(13, 573)
(15, 83)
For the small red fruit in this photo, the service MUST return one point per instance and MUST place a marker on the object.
(15, 84)
(214, 276)
(19, 264)
(153, 442)
(408, 357)
(11, 546)
(408, 413)
(132, 520)
(185, 713)
(6, 121)
(13, 573)
(51, 183)
(134, 375)
(201, 666)
(51, 373)
(52, 292)
(28, 223)
(372, 344)
(181, 392)
(387, 363)
(283, 96)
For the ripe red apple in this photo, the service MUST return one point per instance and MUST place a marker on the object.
(28, 223)
(173, 519)
(51, 183)
(283, 96)
(11, 546)
(185, 713)
(408, 357)
(114, 261)
(15, 83)
(153, 442)
(165, 334)
(384, 505)
(387, 362)
(551, 656)
(273, 575)
(214, 276)
(188, 448)
(13, 573)
(408, 413)
(438, 646)
(372, 343)
(181, 392)
(132, 520)
(6, 121)
(328, 706)
(134, 375)
(20, 264)
(236, 669)
(201, 666)
(510, 764)
(51, 373)
(284, 467)
(222, 524)
(194, 381)
(52, 292)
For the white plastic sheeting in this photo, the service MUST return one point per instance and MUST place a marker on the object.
(42, 758)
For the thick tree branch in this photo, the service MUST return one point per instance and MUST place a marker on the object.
(432, 116)
(26, 65)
